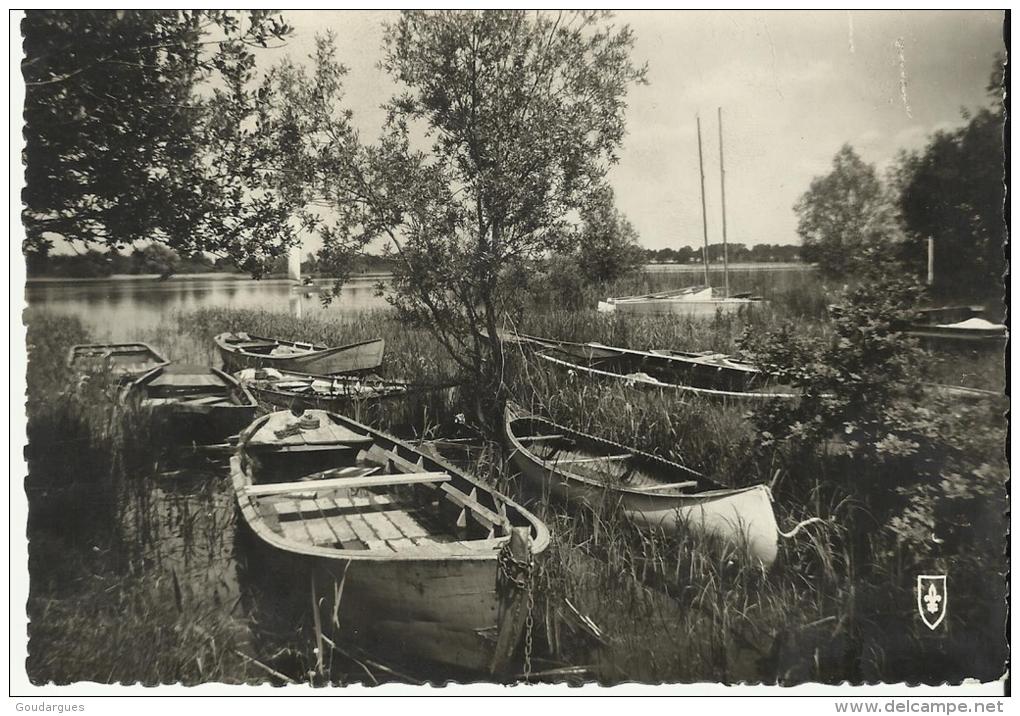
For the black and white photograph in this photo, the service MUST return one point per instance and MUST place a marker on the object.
(547, 350)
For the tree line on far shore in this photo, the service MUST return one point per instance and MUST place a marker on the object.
(158, 259)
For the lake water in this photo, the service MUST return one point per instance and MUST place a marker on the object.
(121, 307)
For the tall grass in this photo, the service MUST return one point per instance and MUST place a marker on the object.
(151, 581)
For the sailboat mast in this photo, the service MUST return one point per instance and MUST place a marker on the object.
(704, 212)
(722, 184)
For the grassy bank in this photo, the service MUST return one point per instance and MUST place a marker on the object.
(150, 581)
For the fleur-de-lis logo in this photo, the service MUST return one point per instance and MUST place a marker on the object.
(932, 599)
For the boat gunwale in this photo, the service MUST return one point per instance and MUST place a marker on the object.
(74, 350)
(714, 489)
(653, 383)
(395, 388)
(230, 381)
(668, 354)
(247, 503)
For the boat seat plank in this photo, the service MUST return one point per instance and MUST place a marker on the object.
(186, 380)
(346, 482)
(205, 400)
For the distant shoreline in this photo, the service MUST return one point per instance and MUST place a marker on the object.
(224, 276)
(739, 266)
(218, 276)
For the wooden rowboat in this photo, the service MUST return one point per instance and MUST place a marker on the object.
(198, 404)
(119, 360)
(662, 370)
(403, 552)
(285, 389)
(655, 494)
(241, 350)
(698, 370)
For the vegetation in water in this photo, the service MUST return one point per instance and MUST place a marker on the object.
(156, 560)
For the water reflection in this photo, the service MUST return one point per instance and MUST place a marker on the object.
(119, 308)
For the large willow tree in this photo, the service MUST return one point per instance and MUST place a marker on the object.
(505, 126)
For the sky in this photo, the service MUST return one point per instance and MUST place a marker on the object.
(793, 88)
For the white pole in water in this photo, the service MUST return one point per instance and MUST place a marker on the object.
(294, 274)
(931, 260)
(722, 185)
(704, 212)
(294, 263)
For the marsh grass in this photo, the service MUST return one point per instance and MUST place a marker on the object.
(139, 572)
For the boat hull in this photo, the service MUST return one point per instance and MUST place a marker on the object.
(742, 517)
(726, 397)
(685, 307)
(195, 423)
(122, 361)
(441, 613)
(354, 358)
(965, 338)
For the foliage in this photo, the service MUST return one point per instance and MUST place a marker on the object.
(954, 192)
(846, 219)
(848, 379)
(908, 455)
(608, 248)
(522, 115)
(157, 258)
(118, 138)
(759, 253)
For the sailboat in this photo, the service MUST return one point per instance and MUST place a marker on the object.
(696, 301)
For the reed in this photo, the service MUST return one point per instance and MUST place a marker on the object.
(139, 573)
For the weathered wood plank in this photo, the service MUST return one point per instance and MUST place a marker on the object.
(362, 499)
(407, 525)
(320, 531)
(284, 507)
(295, 531)
(383, 527)
(346, 483)
(365, 533)
(347, 536)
